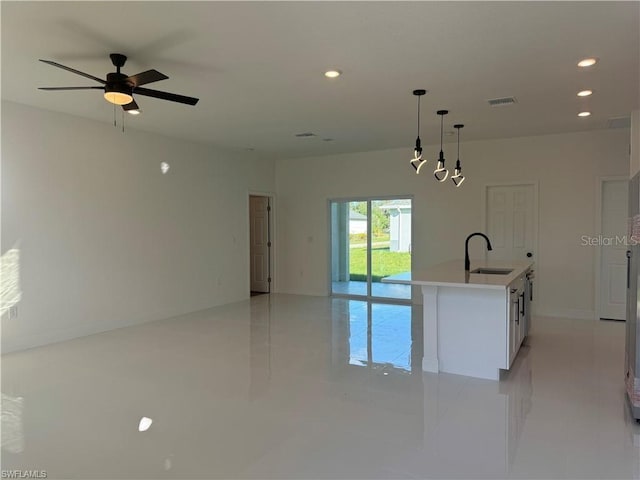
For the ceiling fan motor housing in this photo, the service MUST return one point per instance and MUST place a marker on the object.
(116, 82)
(117, 89)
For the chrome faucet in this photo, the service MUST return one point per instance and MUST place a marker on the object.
(467, 263)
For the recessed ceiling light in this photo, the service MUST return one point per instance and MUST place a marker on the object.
(584, 114)
(133, 112)
(587, 62)
(585, 93)
(332, 73)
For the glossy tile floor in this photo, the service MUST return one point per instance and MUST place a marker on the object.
(286, 386)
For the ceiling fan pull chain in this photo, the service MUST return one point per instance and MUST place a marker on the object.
(114, 115)
(122, 121)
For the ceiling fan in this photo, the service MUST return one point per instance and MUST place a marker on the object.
(120, 88)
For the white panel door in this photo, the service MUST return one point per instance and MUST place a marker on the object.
(510, 221)
(613, 261)
(260, 243)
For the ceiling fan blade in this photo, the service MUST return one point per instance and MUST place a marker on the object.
(172, 97)
(149, 76)
(72, 70)
(70, 88)
(130, 106)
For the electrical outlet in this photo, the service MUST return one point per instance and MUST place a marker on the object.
(13, 312)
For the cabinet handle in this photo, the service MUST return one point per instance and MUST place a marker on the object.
(523, 304)
(518, 311)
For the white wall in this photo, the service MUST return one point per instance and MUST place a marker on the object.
(105, 239)
(566, 166)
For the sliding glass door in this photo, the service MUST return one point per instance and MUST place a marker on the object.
(370, 240)
(349, 240)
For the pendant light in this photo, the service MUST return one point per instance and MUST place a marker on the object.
(441, 173)
(457, 176)
(417, 162)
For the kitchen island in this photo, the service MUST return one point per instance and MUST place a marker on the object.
(474, 323)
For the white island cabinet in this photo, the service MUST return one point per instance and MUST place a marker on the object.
(474, 323)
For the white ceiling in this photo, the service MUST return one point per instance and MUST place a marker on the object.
(257, 67)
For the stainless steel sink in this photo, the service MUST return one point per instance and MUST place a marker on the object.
(493, 271)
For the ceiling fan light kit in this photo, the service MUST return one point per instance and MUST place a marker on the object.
(117, 97)
(119, 89)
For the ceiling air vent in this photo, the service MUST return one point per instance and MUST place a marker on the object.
(619, 122)
(501, 102)
(305, 134)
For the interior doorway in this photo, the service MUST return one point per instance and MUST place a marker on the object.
(260, 244)
(612, 281)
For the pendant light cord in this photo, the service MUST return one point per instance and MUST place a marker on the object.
(441, 132)
(418, 115)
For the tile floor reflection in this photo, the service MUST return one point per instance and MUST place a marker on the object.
(378, 335)
(284, 386)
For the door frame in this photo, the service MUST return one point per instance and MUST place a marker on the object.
(368, 297)
(598, 223)
(272, 238)
(536, 214)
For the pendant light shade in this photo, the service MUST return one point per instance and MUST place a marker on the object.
(457, 178)
(441, 173)
(417, 161)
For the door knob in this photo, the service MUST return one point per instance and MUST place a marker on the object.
(529, 254)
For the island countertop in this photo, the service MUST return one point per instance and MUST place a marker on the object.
(452, 274)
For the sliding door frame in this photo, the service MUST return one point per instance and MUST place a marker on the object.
(368, 297)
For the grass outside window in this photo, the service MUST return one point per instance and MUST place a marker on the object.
(383, 263)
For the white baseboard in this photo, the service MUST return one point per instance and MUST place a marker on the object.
(577, 313)
(16, 343)
(25, 342)
(430, 365)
